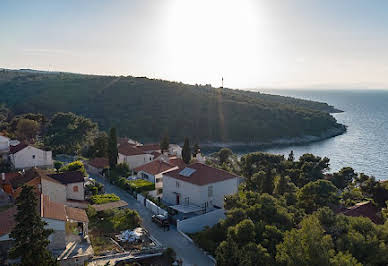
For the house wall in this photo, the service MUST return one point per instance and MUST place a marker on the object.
(56, 191)
(198, 223)
(198, 195)
(58, 238)
(147, 176)
(76, 195)
(25, 158)
(134, 161)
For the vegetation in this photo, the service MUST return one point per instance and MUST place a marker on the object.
(202, 113)
(74, 166)
(104, 198)
(140, 185)
(164, 143)
(186, 151)
(285, 214)
(30, 234)
(113, 153)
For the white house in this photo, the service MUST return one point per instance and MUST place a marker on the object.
(74, 182)
(153, 172)
(199, 185)
(4, 147)
(133, 156)
(97, 165)
(23, 156)
(175, 149)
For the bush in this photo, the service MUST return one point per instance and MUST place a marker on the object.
(74, 166)
(117, 220)
(141, 185)
(105, 198)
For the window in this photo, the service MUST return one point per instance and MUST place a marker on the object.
(210, 191)
(75, 189)
(158, 180)
(33, 156)
(177, 184)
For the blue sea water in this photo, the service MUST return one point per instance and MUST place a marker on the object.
(365, 144)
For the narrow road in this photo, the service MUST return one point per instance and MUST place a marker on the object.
(186, 250)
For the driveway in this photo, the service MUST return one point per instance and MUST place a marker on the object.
(186, 250)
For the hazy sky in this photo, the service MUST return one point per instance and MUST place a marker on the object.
(251, 43)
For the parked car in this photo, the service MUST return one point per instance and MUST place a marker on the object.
(161, 220)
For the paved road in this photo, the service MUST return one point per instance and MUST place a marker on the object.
(186, 250)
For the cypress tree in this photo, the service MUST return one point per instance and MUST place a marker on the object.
(112, 148)
(186, 151)
(164, 144)
(31, 238)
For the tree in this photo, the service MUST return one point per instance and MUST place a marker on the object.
(27, 129)
(224, 155)
(317, 194)
(305, 246)
(344, 259)
(196, 149)
(186, 151)
(291, 157)
(100, 146)
(164, 143)
(31, 238)
(58, 165)
(113, 152)
(74, 166)
(343, 178)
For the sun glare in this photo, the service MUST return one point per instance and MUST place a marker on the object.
(213, 39)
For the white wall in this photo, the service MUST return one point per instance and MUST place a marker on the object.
(197, 195)
(56, 191)
(135, 160)
(58, 237)
(71, 194)
(197, 223)
(25, 158)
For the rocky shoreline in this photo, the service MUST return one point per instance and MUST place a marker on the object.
(330, 133)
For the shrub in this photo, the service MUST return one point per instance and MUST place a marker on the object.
(74, 166)
(141, 185)
(105, 198)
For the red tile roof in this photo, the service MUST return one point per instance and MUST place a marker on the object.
(177, 162)
(364, 209)
(203, 174)
(155, 167)
(17, 148)
(129, 150)
(76, 214)
(99, 162)
(149, 147)
(156, 154)
(7, 220)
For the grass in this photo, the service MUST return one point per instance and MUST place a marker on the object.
(141, 185)
(104, 198)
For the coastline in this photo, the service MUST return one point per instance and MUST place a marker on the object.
(330, 133)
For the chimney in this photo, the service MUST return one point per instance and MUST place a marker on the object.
(3, 176)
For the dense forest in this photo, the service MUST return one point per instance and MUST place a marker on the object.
(147, 109)
(294, 212)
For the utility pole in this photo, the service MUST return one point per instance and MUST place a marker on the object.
(222, 82)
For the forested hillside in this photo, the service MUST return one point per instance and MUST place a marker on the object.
(147, 109)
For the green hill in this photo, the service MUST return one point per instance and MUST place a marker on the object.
(146, 109)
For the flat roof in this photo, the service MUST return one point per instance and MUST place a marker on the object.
(186, 208)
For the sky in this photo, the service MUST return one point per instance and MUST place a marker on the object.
(250, 43)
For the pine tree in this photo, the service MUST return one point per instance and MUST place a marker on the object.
(186, 151)
(112, 148)
(31, 238)
(291, 157)
(196, 149)
(164, 144)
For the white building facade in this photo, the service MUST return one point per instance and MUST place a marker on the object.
(29, 157)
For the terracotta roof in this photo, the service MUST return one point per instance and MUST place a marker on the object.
(177, 162)
(17, 148)
(9, 177)
(129, 149)
(109, 205)
(364, 209)
(68, 177)
(52, 210)
(202, 175)
(7, 220)
(76, 214)
(149, 147)
(99, 162)
(27, 176)
(156, 154)
(155, 167)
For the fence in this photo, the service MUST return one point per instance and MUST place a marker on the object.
(197, 223)
(151, 206)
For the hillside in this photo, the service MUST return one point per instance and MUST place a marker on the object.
(146, 109)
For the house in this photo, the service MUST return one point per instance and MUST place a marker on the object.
(110, 205)
(23, 156)
(74, 182)
(97, 165)
(69, 225)
(199, 185)
(175, 149)
(364, 209)
(153, 172)
(133, 156)
(4, 147)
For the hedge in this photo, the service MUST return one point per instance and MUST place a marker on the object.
(104, 198)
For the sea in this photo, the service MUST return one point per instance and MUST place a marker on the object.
(364, 146)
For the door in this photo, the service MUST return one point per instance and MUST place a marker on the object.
(177, 199)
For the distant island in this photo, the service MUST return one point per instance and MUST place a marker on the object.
(147, 109)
